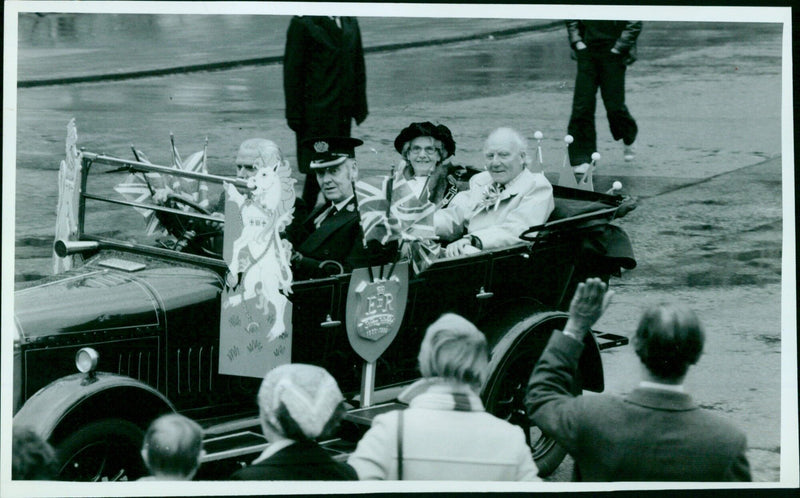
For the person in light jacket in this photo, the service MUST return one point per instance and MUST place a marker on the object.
(501, 203)
(445, 433)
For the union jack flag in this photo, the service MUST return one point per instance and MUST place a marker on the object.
(409, 218)
(143, 187)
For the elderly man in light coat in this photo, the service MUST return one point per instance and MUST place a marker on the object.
(501, 203)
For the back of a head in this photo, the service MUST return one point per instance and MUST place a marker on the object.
(668, 340)
(454, 349)
(172, 446)
(300, 402)
(32, 458)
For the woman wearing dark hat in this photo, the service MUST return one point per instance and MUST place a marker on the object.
(425, 148)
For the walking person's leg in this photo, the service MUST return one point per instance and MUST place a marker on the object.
(612, 89)
(581, 121)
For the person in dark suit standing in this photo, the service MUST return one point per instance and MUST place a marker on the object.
(324, 83)
(330, 239)
(657, 433)
(297, 404)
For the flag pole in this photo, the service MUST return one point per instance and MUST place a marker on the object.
(203, 185)
(358, 215)
(146, 180)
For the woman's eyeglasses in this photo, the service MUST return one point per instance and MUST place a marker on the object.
(416, 150)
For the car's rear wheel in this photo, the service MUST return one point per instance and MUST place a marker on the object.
(504, 397)
(103, 450)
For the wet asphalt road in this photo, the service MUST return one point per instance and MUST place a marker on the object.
(708, 229)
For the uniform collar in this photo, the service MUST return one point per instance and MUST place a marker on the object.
(341, 205)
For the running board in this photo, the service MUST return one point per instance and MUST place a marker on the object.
(607, 340)
(233, 445)
(364, 416)
(243, 438)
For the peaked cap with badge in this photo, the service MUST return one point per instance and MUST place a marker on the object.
(325, 152)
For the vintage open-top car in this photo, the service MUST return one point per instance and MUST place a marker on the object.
(130, 328)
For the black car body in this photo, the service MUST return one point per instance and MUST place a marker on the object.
(152, 315)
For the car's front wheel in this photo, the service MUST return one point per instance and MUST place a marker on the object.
(103, 450)
(504, 397)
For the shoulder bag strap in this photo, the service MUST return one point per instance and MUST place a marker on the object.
(400, 446)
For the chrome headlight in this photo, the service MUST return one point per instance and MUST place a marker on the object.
(86, 360)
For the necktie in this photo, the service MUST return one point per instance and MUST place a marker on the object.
(326, 215)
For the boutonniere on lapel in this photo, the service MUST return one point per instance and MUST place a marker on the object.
(491, 196)
(351, 207)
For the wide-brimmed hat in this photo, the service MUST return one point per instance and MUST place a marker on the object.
(330, 151)
(426, 129)
(309, 394)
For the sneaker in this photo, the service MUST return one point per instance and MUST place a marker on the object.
(629, 153)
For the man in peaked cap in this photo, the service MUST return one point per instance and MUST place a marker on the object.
(334, 230)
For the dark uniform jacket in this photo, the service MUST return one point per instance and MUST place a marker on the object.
(650, 435)
(324, 79)
(303, 461)
(338, 238)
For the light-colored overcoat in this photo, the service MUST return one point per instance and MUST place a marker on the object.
(447, 435)
(496, 220)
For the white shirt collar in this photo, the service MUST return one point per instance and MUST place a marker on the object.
(678, 388)
(341, 205)
(272, 449)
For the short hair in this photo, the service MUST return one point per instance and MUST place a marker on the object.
(253, 149)
(32, 458)
(454, 349)
(669, 339)
(172, 445)
(518, 138)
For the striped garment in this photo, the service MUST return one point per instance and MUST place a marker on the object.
(409, 219)
(141, 187)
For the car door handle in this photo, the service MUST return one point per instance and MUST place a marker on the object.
(330, 323)
(482, 294)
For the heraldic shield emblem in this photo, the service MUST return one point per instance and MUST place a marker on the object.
(375, 309)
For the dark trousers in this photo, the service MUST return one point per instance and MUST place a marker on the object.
(337, 127)
(598, 68)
